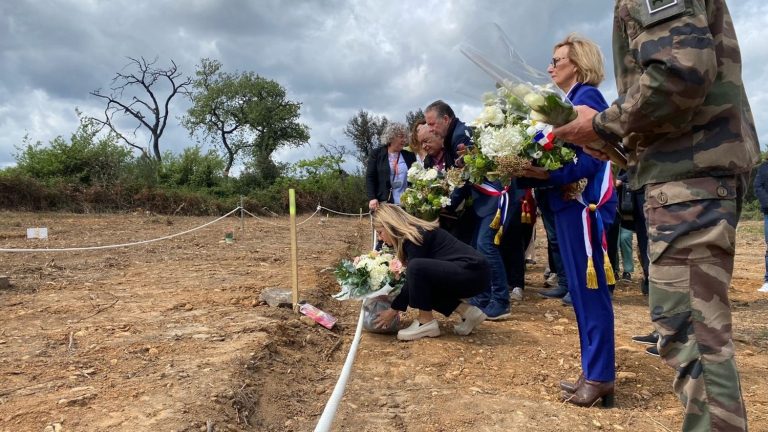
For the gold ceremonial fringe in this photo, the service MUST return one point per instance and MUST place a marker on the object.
(610, 278)
(497, 237)
(496, 223)
(525, 218)
(591, 274)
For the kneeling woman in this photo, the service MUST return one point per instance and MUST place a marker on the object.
(440, 271)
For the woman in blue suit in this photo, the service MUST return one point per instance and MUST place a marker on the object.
(583, 196)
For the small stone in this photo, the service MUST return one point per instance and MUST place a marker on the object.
(307, 320)
(617, 427)
(188, 307)
(563, 320)
(277, 297)
(626, 376)
(747, 353)
(597, 424)
(153, 352)
(5, 282)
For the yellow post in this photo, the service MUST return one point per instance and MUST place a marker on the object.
(294, 251)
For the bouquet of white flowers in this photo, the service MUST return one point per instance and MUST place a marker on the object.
(370, 275)
(428, 193)
(536, 99)
(507, 140)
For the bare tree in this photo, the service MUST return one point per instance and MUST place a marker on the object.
(138, 95)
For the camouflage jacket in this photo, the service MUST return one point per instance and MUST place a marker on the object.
(682, 111)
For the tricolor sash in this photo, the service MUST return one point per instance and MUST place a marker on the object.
(502, 209)
(605, 179)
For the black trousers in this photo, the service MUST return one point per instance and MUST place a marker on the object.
(438, 285)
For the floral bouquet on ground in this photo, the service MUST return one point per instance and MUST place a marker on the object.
(370, 275)
(429, 191)
(507, 140)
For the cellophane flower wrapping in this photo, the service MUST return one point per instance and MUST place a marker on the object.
(429, 191)
(377, 273)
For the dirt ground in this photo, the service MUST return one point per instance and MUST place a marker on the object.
(172, 336)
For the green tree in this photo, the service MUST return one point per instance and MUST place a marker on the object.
(365, 132)
(412, 118)
(87, 158)
(245, 115)
(192, 168)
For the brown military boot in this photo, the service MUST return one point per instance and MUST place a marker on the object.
(571, 387)
(589, 392)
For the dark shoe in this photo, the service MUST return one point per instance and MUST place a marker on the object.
(477, 303)
(589, 392)
(557, 292)
(496, 312)
(644, 287)
(567, 300)
(649, 339)
(571, 387)
(530, 261)
(627, 276)
(652, 350)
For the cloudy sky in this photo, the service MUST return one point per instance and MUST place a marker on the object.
(334, 56)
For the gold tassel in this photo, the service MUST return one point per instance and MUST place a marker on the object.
(496, 223)
(497, 237)
(591, 274)
(525, 218)
(610, 278)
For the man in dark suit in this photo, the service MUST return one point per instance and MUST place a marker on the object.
(442, 121)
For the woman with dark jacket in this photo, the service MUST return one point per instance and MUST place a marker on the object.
(440, 271)
(386, 175)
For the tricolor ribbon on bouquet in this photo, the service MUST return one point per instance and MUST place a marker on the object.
(502, 209)
(606, 191)
(545, 138)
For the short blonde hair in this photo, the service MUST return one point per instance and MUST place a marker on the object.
(587, 58)
(400, 226)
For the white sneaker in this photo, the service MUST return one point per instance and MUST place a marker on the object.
(471, 319)
(516, 294)
(551, 280)
(763, 288)
(418, 331)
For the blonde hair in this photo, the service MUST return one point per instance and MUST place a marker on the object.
(587, 58)
(400, 226)
(415, 144)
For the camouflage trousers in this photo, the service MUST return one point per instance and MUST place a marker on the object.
(692, 236)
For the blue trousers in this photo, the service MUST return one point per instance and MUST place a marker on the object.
(594, 311)
(553, 246)
(765, 235)
(498, 291)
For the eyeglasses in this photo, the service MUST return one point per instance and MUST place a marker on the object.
(557, 59)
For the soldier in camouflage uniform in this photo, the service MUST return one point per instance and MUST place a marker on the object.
(683, 116)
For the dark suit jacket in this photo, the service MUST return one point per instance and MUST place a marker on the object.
(377, 173)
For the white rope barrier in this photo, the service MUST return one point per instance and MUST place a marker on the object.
(307, 219)
(343, 214)
(263, 220)
(120, 245)
(329, 412)
(326, 419)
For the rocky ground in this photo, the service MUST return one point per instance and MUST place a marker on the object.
(171, 335)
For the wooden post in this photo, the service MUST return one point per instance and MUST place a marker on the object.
(242, 217)
(294, 251)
